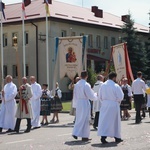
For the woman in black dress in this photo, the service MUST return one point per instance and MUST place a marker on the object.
(126, 102)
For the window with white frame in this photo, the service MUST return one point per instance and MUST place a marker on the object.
(90, 40)
(5, 40)
(26, 37)
(113, 41)
(27, 70)
(63, 33)
(5, 71)
(105, 42)
(14, 71)
(98, 41)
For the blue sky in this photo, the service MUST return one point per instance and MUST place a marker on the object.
(138, 8)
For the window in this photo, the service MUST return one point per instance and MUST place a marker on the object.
(105, 42)
(73, 34)
(14, 71)
(14, 34)
(63, 33)
(27, 70)
(90, 40)
(98, 41)
(113, 41)
(5, 71)
(26, 38)
(5, 40)
(81, 34)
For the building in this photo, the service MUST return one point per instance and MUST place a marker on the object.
(103, 30)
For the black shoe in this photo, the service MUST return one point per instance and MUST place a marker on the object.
(118, 140)
(27, 131)
(75, 137)
(86, 139)
(17, 131)
(103, 140)
(9, 130)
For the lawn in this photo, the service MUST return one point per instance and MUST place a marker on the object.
(66, 106)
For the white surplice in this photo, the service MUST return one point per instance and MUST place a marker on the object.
(8, 107)
(97, 104)
(82, 94)
(111, 96)
(36, 104)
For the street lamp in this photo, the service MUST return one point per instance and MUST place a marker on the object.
(15, 42)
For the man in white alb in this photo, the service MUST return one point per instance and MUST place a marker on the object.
(8, 106)
(111, 96)
(82, 93)
(35, 102)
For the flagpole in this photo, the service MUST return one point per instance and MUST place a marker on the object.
(2, 51)
(47, 54)
(23, 38)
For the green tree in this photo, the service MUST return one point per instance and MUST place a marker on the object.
(136, 49)
(91, 76)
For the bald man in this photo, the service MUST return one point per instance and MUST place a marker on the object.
(8, 106)
(35, 102)
(24, 107)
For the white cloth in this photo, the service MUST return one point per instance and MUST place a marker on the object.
(97, 104)
(111, 96)
(138, 86)
(82, 94)
(59, 92)
(129, 89)
(35, 104)
(8, 107)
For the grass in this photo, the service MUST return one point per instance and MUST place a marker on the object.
(66, 106)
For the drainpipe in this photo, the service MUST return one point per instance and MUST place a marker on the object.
(37, 52)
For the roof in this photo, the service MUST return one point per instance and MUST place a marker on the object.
(36, 9)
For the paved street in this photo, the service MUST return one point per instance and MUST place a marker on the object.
(58, 137)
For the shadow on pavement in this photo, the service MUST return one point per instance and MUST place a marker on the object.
(147, 122)
(73, 143)
(58, 126)
(14, 133)
(110, 144)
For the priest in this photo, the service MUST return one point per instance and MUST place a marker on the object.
(35, 102)
(24, 107)
(82, 93)
(8, 106)
(111, 96)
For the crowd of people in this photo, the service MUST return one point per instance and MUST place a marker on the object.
(110, 103)
(33, 102)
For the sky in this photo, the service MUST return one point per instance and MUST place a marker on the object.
(139, 9)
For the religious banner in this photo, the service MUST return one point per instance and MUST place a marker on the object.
(121, 61)
(70, 50)
(45, 106)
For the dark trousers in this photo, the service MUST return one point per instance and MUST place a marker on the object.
(138, 100)
(18, 121)
(96, 119)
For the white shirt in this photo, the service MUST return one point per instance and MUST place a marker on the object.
(138, 86)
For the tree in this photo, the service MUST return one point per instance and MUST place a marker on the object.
(136, 49)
